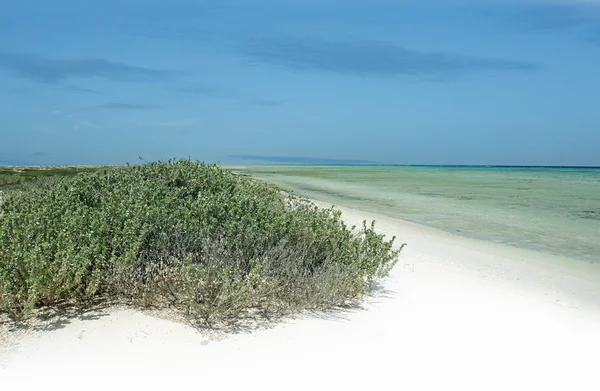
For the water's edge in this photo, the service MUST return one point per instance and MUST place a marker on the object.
(537, 210)
(458, 232)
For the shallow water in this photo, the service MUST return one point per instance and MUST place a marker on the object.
(549, 209)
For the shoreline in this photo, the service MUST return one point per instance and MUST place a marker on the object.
(455, 312)
(517, 264)
(550, 211)
(464, 234)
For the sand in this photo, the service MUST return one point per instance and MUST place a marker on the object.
(456, 313)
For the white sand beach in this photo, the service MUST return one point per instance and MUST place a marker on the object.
(456, 313)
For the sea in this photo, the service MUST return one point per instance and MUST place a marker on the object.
(551, 209)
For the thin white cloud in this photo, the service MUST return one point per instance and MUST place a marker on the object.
(372, 59)
(176, 123)
(80, 125)
(50, 70)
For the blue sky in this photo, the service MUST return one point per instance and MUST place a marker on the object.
(408, 82)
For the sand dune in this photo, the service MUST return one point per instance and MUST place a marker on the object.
(456, 313)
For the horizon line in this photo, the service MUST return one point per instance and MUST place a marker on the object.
(325, 164)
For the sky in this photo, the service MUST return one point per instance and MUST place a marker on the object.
(252, 81)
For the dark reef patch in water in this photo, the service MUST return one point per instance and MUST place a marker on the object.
(447, 196)
(590, 214)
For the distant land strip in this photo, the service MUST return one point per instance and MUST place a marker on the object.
(301, 160)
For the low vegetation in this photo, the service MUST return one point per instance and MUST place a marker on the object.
(184, 234)
(23, 178)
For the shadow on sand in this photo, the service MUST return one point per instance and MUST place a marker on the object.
(56, 317)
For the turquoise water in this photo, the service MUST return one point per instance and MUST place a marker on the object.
(549, 209)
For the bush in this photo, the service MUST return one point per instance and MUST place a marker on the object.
(181, 233)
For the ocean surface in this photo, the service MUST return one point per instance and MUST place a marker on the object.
(549, 209)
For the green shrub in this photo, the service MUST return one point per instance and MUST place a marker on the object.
(181, 233)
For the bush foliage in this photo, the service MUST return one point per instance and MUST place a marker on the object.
(184, 234)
